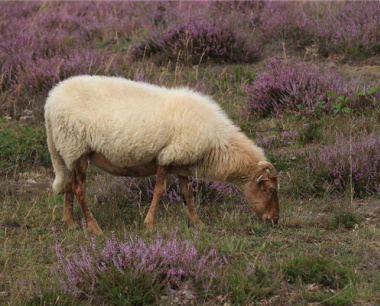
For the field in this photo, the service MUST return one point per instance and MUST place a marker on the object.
(300, 78)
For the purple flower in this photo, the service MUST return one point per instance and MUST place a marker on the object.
(170, 262)
(196, 40)
(349, 161)
(287, 86)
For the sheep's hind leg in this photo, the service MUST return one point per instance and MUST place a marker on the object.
(68, 216)
(187, 191)
(159, 190)
(80, 192)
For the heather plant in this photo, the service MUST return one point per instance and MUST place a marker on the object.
(271, 142)
(196, 40)
(351, 164)
(350, 28)
(44, 43)
(334, 27)
(286, 21)
(145, 268)
(286, 87)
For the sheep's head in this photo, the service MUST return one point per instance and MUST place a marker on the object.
(262, 192)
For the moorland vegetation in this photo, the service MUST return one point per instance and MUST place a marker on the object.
(300, 78)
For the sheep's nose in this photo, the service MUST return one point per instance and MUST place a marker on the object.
(269, 220)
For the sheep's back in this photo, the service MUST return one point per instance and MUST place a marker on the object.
(132, 123)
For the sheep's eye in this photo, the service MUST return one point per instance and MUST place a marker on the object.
(272, 191)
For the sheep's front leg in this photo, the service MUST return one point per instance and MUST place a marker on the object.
(79, 180)
(68, 216)
(159, 190)
(187, 191)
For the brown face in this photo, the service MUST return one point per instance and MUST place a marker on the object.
(262, 194)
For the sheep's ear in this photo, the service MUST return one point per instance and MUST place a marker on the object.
(268, 168)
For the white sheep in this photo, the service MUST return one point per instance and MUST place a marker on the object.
(136, 129)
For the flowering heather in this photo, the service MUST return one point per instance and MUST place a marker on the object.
(194, 41)
(333, 166)
(350, 27)
(167, 262)
(285, 138)
(287, 86)
(285, 20)
(42, 43)
(341, 26)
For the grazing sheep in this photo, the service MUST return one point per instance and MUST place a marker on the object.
(129, 128)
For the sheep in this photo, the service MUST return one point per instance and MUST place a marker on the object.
(129, 128)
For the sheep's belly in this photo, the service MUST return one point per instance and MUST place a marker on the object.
(149, 169)
(100, 161)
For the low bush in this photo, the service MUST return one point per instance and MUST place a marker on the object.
(272, 142)
(347, 164)
(134, 270)
(333, 27)
(287, 87)
(194, 41)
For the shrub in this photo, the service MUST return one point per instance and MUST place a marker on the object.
(270, 142)
(142, 266)
(351, 28)
(355, 161)
(343, 27)
(287, 86)
(44, 43)
(291, 22)
(194, 41)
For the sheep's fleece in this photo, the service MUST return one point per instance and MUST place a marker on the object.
(131, 123)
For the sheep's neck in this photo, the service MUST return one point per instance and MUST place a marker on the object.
(236, 161)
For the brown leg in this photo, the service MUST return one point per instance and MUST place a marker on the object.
(80, 192)
(187, 190)
(159, 190)
(68, 216)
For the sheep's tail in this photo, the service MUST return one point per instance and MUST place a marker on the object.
(60, 169)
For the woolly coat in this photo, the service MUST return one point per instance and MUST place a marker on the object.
(135, 123)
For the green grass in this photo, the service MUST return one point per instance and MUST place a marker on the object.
(21, 145)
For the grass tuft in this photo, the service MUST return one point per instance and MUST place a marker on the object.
(315, 269)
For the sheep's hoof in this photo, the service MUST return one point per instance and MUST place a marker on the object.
(93, 228)
(197, 223)
(149, 226)
(70, 223)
